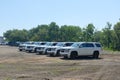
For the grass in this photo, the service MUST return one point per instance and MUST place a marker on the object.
(8, 78)
(1, 66)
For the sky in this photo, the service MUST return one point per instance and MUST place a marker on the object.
(26, 14)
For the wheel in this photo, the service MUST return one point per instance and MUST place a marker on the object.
(35, 50)
(20, 49)
(65, 57)
(51, 55)
(45, 52)
(58, 53)
(73, 55)
(96, 55)
(29, 51)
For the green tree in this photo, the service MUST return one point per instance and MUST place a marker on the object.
(70, 33)
(107, 37)
(53, 32)
(16, 35)
(43, 33)
(33, 33)
(114, 41)
(97, 36)
(87, 33)
(117, 32)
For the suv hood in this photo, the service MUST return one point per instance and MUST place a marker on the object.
(67, 47)
(30, 45)
(43, 46)
(54, 46)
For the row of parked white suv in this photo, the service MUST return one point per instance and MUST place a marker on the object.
(65, 49)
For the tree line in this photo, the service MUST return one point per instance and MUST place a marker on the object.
(108, 37)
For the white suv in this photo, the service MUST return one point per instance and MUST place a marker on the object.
(81, 49)
(43, 48)
(32, 47)
(55, 50)
(22, 46)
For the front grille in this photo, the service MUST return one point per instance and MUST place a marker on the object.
(62, 50)
(49, 49)
(30, 47)
(52, 49)
(40, 48)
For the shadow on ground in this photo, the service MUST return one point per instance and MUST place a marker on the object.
(82, 58)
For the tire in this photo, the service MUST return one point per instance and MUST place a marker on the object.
(45, 52)
(73, 55)
(20, 49)
(35, 50)
(65, 57)
(51, 55)
(29, 51)
(96, 55)
(58, 53)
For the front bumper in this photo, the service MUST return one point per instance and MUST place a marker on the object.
(29, 49)
(51, 52)
(64, 54)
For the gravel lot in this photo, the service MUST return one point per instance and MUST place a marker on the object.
(15, 65)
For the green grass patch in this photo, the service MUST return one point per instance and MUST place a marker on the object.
(2, 66)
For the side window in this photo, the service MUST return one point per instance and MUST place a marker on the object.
(98, 45)
(83, 45)
(90, 45)
(87, 45)
(68, 44)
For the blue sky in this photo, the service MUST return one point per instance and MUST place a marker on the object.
(26, 14)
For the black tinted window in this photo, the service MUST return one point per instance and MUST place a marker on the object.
(98, 45)
(68, 44)
(54, 44)
(87, 45)
(90, 45)
(43, 43)
(83, 45)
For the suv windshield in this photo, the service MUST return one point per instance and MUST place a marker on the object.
(53, 44)
(37, 43)
(59, 44)
(48, 44)
(43, 43)
(28, 43)
(68, 44)
(75, 45)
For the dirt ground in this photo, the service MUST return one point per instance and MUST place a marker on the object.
(15, 65)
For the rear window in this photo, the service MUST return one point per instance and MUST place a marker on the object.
(98, 45)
